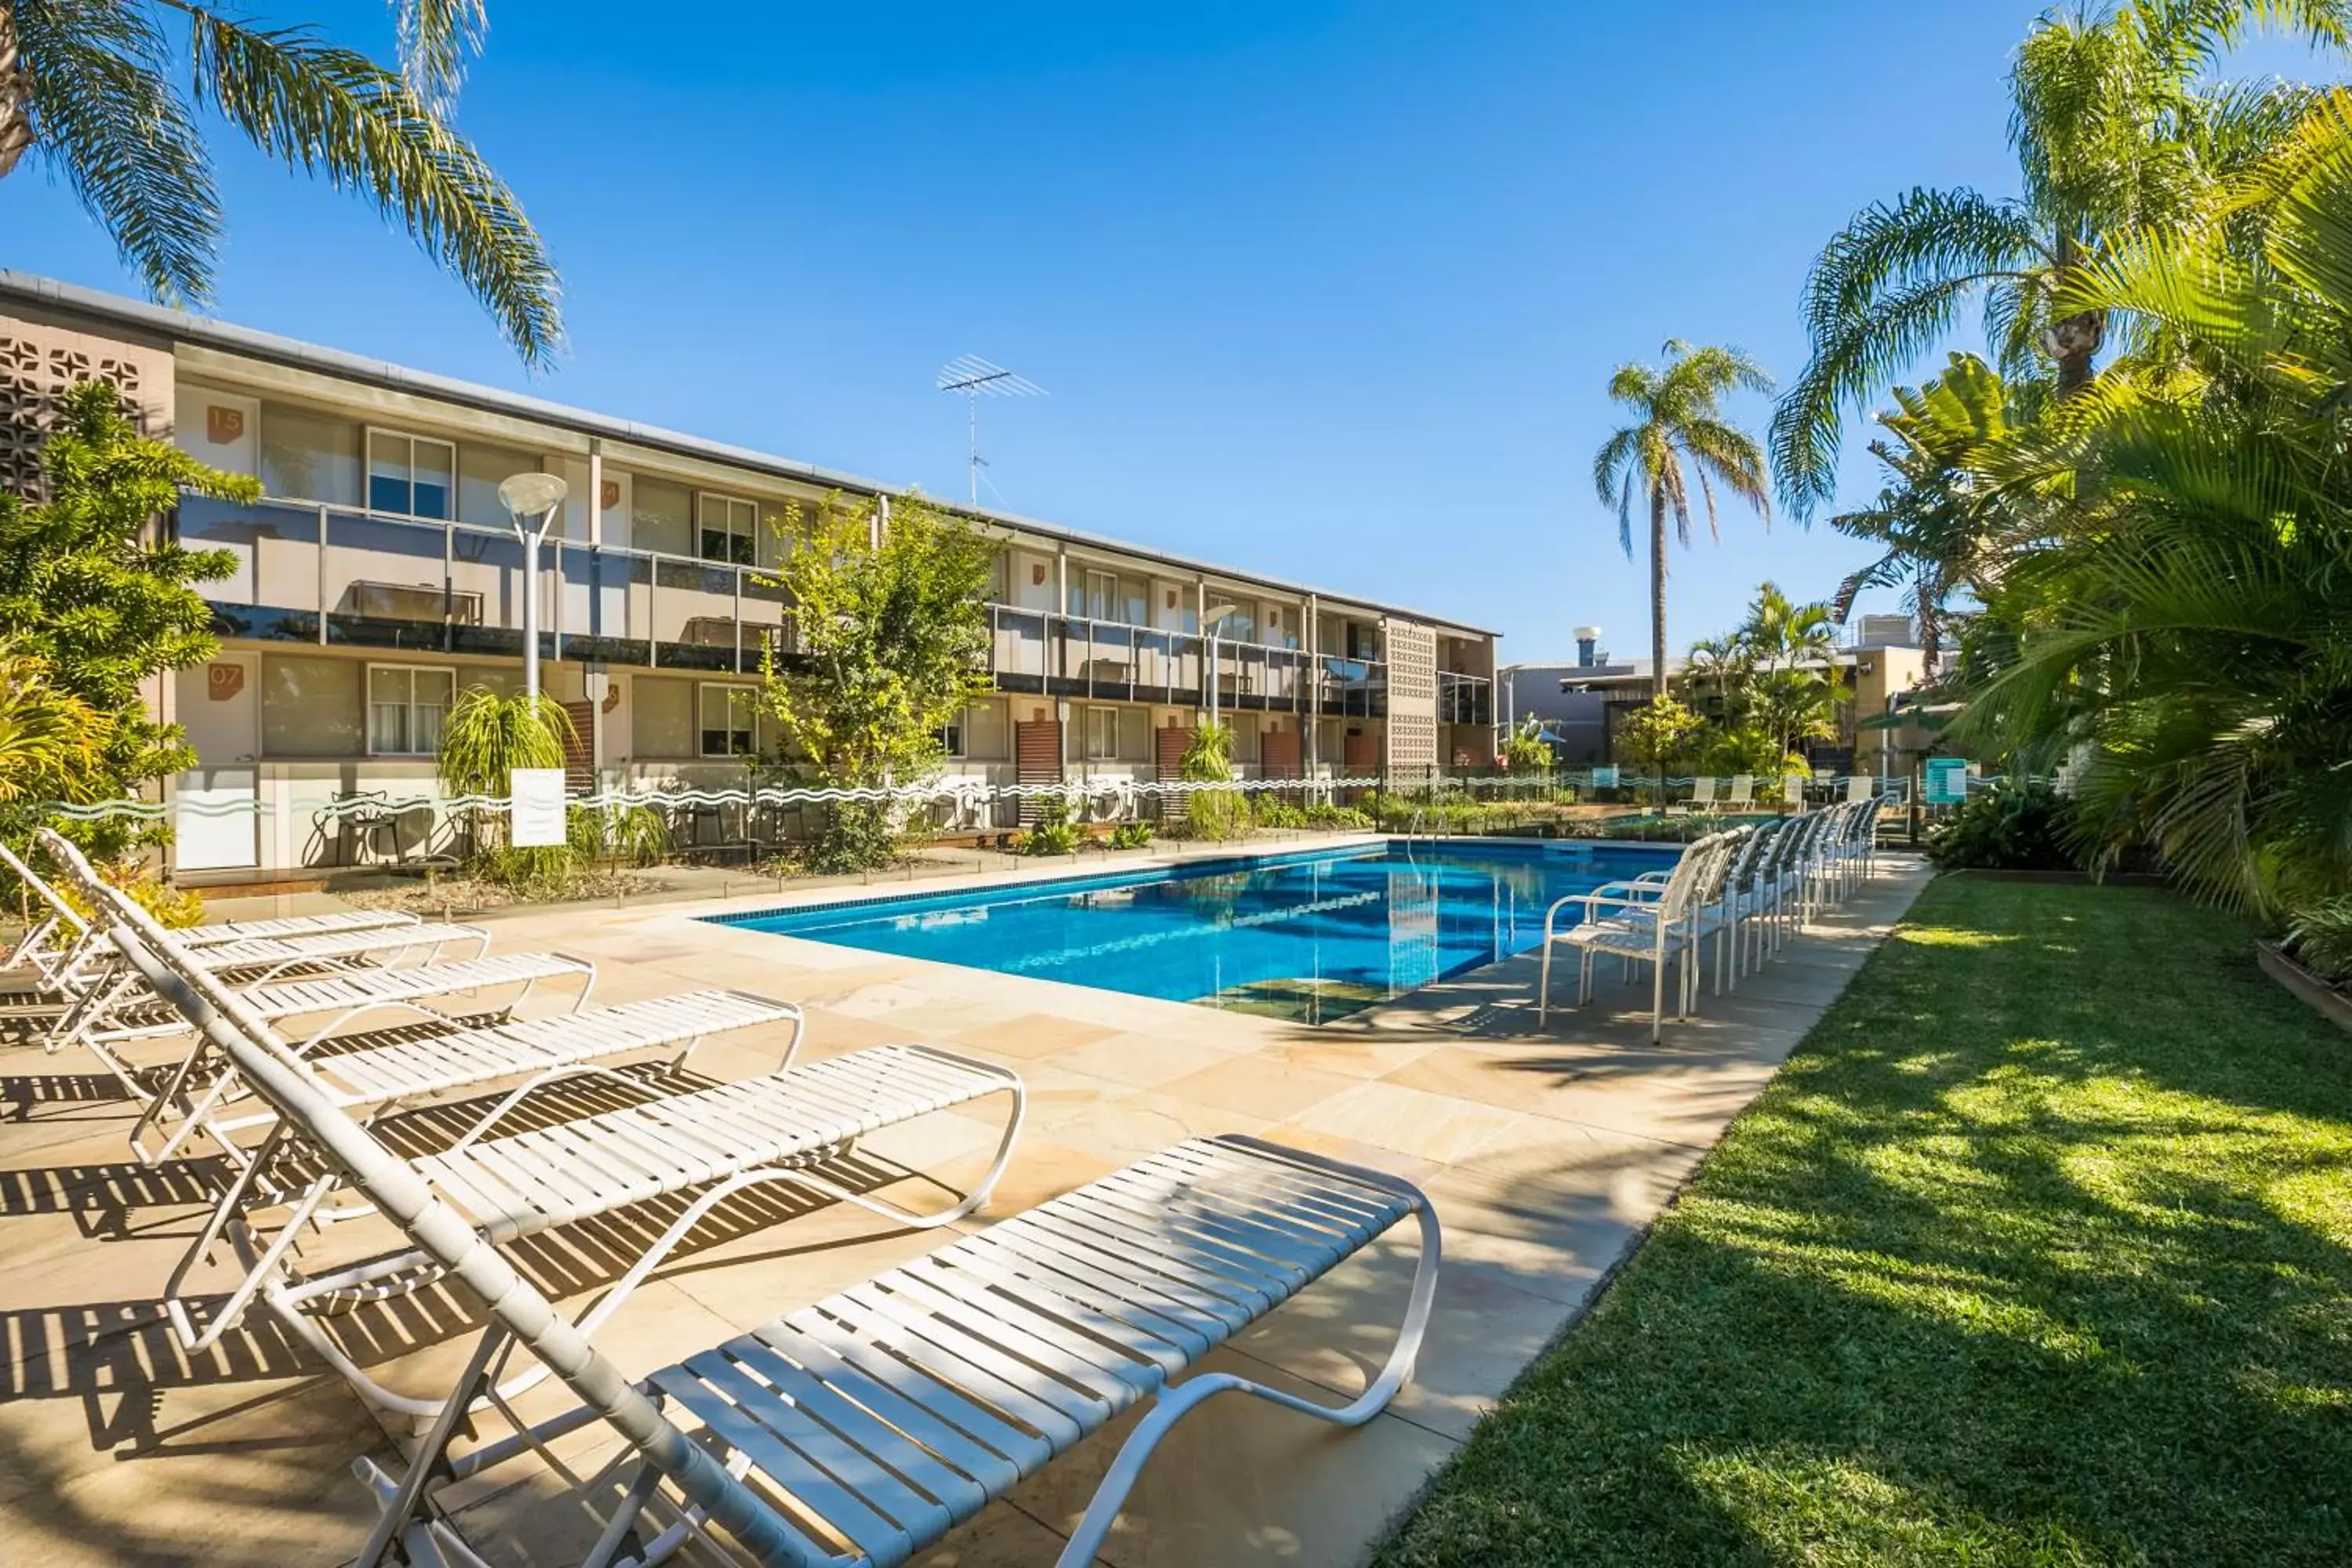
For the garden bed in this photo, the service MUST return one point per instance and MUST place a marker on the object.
(2321, 997)
(2038, 1251)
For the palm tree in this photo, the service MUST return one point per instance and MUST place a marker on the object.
(1939, 519)
(2115, 134)
(87, 90)
(2186, 641)
(1680, 420)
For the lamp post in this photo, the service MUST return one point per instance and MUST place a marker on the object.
(1210, 618)
(531, 500)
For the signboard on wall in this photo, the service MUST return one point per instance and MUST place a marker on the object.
(1947, 781)
(535, 809)
(1604, 778)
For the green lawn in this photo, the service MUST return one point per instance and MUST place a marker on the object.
(2038, 1252)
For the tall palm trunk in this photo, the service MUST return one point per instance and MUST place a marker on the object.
(15, 94)
(1657, 590)
(2073, 340)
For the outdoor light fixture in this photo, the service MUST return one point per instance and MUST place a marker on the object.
(531, 500)
(1209, 620)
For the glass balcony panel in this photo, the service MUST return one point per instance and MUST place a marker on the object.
(384, 584)
(694, 614)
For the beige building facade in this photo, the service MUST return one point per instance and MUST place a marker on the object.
(379, 576)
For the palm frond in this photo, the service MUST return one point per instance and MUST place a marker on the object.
(437, 38)
(113, 127)
(335, 112)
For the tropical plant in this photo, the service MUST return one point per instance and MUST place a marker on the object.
(1939, 519)
(52, 744)
(1656, 739)
(1527, 751)
(892, 644)
(484, 738)
(2184, 643)
(89, 588)
(2116, 133)
(1679, 424)
(87, 88)
(2008, 827)
(634, 834)
(1052, 832)
(1208, 759)
(1130, 836)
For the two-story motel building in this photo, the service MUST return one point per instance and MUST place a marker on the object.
(379, 575)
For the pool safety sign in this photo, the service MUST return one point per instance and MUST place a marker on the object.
(536, 807)
(1947, 781)
(1604, 778)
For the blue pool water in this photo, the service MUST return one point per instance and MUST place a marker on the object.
(1311, 937)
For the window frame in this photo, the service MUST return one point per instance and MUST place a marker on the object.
(368, 433)
(702, 731)
(744, 555)
(408, 709)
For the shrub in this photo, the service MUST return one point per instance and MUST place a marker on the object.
(1323, 813)
(2008, 828)
(1054, 834)
(1213, 813)
(1131, 835)
(2320, 937)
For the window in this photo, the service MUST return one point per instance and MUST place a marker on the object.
(310, 707)
(951, 736)
(729, 523)
(405, 706)
(1103, 734)
(728, 714)
(310, 456)
(409, 476)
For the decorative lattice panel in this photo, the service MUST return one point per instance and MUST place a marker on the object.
(1413, 662)
(36, 364)
(1412, 742)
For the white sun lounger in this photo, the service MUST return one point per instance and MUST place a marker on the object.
(886, 1414)
(1743, 793)
(50, 940)
(1702, 795)
(712, 1142)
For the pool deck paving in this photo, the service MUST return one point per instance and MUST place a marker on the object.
(1547, 1152)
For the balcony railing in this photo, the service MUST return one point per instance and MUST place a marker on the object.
(333, 575)
(325, 574)
(1464, 698)
(1052, 655)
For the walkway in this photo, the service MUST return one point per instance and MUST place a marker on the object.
(1547, 1153)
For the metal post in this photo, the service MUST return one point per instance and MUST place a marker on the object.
(322, 576)
(529, 607)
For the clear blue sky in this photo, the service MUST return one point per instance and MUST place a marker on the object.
(1327, 290)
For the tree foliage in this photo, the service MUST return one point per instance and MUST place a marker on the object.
(91, 89)
(100, 602)
(891, 644)
(1679, 433)
(2117, 132)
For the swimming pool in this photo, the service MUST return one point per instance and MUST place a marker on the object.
(1310, 937)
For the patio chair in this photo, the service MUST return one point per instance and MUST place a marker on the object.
(1861, 787)
(1792, 790)
(1701, 796)
(1648, 923)
(862, 1428)
(1743, 793)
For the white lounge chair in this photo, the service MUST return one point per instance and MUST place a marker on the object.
(1792, 790)
(1860, 787)
(1649, 924)
(890, 1412)
(1743, 793)
(1702, 795)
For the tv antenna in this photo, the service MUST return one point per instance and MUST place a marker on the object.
(976, 378)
